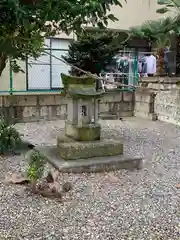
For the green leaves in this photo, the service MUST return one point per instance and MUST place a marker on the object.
(174, 6)
(162, 10)
(159, 31)
(112, 17)
(164, 2)
(85, 54)
(169, 5)
(9, 137)
(36, 163)
(22, 22)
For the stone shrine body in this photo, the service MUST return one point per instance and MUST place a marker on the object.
(82, 111)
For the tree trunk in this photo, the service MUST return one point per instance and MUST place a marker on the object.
(161, 63)
(2, 63)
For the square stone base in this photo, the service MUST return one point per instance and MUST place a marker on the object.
(83, 150)
(90, 165)
(83, 133)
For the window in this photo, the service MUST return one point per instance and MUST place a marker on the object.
(45, 72)
(84, 111)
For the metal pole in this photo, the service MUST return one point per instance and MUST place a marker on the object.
(136, 68)
(10, 78)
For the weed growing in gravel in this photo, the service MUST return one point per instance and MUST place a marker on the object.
(35, 172)
(36, 167)
(10, 138)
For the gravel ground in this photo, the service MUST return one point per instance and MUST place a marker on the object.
(119, 205)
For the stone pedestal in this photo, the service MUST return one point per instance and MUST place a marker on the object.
(84, 150)
(88, 132)
(90, 165)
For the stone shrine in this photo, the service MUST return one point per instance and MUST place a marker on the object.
(82, 113)
(80, 147)
(82, 130)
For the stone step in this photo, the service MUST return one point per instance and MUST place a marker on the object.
(89, 149)
(107, 116)
(92, 165)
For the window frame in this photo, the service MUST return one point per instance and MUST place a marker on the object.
(50, 49)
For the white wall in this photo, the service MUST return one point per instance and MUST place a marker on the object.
(134, 13)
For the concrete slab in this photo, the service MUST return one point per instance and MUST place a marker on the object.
(98, 164)
(81, 150)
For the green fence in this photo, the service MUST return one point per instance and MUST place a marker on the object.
(43, 75)
(123, 70)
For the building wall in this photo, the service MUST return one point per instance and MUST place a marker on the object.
(27, 108)
(19, 80)
(134, 13)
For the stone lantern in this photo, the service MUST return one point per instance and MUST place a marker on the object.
(81, 149)
(82, 111)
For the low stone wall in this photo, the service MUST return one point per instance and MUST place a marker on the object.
(144, 106)
(161, 105)
(159, 99)
(159, 83)
(167, 106)
(149, 104)
(119, 103)
(26, 108)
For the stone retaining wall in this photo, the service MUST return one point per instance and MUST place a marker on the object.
(159, 100)
(167, 106)
(144, 106)
(119, 103)
(26, 108)
(161, 105)
(149, 104)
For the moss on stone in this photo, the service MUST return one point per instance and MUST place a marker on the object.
(73, 80)
(84, 93)
(80, 87)
(86, 132)
(83, 150)
(63, 139)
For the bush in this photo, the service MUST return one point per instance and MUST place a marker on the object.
(10, 138)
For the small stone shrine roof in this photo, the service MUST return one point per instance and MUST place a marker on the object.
(80, 87)
(91, 92)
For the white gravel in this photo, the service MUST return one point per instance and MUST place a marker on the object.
(142, 204)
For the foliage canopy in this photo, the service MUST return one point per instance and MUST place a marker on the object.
(93, 51)
(25, 23)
